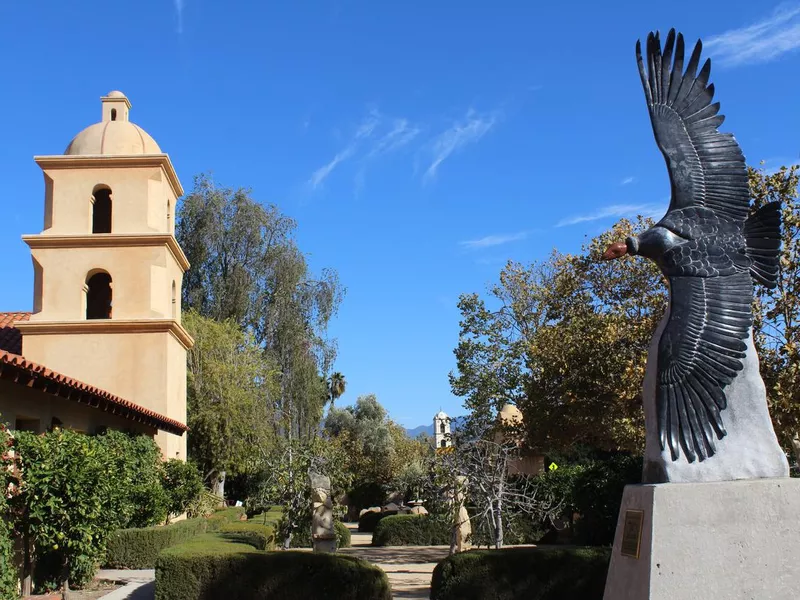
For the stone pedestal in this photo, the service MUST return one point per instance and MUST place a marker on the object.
(737, 540)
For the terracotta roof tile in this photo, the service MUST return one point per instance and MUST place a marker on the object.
(88, 394)
(10, 336)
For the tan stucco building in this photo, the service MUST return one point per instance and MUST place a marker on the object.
(106, 298)
(510, 420)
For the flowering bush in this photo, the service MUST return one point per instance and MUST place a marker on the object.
(9, 487)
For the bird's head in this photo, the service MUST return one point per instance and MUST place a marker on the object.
(652, 244)
(619, 249)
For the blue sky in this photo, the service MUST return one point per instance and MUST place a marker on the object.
(419, 145)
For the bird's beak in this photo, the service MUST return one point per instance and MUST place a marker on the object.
(615, 251)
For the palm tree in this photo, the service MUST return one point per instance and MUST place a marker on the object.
(336, 387)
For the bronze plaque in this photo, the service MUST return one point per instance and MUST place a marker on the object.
(632, 533)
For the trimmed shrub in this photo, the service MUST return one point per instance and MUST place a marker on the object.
(212, 569)
(139, 548)
(411, 530)
(343, 536)
(368, 521)
(522, 574)
(301, 538)
(225, 515)
(518, 528)
(261, 537)
(270, 517)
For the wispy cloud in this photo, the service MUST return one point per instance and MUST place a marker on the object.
(375, 136)
(321, 174)
(494, 240)
(365, 130)
(179, 13)
(402, 133)
(467, 131)
(616, 210)
(760, 42)
(627, 181)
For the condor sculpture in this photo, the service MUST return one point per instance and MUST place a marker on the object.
(706, 411)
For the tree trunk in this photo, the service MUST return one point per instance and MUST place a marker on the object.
(455, 529)
(498, 535)
(27, 584)
(796, 447)
(219, 485)
(65, 595)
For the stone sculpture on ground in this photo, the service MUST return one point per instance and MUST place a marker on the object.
(706, 416)
(323, 534)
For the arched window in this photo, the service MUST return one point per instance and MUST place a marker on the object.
(101, 211)
(441, 428)
(98, 296)
(113, 114)
(174, 301)
(443, 444)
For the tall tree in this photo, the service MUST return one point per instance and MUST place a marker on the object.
(232, 389)
(235, 246)
(777, 312)
(247, 267)
(336, 387)
(566, 341)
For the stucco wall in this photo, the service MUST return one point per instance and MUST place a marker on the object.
(139, 200)
(21, 402)
(146, 368)
(141, 281)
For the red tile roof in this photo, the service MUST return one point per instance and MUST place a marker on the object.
(10, 336)
(20, 370)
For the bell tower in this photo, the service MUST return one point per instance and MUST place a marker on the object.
(441, 430)
(108, 269)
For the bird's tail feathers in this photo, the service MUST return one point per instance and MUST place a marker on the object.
(762, 232)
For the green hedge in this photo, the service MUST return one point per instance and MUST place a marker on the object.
(411, 530)
(271, 517)
(368, 521)
(343, 535)
(522, 574)
(261, 537)
(209, 568)
(138, 548)
(302, 537)
(225, 515)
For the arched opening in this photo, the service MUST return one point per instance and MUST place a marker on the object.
(113, 114)
(441, 428)
(443, 444)
(174, 301)
(98, 296)
(101, 211)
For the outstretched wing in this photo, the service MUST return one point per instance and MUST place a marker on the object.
(706, 167)
(699, 353)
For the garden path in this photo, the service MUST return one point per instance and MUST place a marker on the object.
(139, 584)
(409, 568)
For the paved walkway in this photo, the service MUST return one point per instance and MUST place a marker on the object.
(139, 584)
(409, 567)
